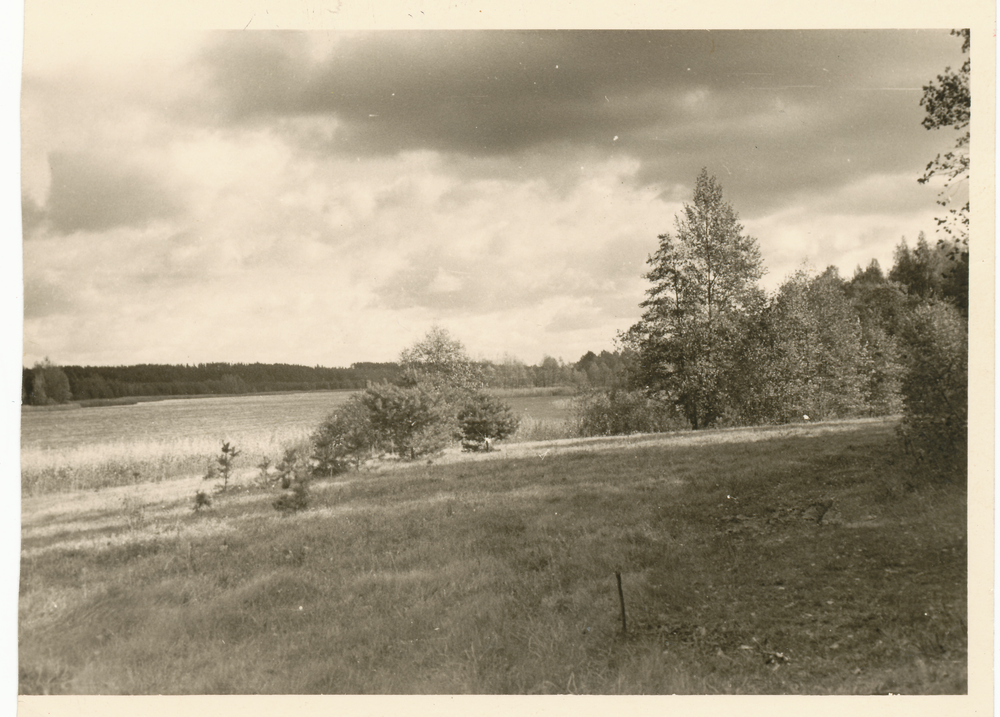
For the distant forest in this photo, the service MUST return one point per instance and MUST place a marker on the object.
(44, 384)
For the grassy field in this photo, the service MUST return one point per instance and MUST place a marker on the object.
(88, 448)
(794, 559)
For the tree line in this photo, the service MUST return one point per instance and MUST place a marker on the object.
(47, 383)
(711, 346)
(715, 349)
(720, 351)
(109, 382)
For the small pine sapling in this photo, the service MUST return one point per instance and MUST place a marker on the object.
(264, 477)
(287, 467)
(483, 419)
(224, 465)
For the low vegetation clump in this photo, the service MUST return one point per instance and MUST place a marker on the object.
(783, 560)
(438, 400)
(202, 500)
(620, 412)
(296, 498)
(483, 419)
(346, 437)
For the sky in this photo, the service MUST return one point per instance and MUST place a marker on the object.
(326, 197)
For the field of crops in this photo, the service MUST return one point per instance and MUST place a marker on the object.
(87, 448)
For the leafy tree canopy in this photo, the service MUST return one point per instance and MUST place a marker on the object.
(704, 277)
(441, 360)
(948, 103)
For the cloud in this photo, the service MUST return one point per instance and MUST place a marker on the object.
(470, 92)
(491, 245)
(774, 114)
(574, 319)
(493, 93)
(323, 198)
(45, 298)
(94, 192)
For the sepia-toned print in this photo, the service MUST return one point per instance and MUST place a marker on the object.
(495, 362)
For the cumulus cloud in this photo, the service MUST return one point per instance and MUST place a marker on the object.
(763, 94)
(324, 197)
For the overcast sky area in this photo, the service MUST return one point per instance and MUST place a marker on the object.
(325, 198)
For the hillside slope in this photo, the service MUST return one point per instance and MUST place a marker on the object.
(778, 560)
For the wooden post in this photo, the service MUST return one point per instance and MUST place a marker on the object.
(621, 598)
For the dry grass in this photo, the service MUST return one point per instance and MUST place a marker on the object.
(537, 429)
(101, 465)
(536, 391)
(87, 449)
(496, 575)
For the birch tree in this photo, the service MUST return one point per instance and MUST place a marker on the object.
(704, 280)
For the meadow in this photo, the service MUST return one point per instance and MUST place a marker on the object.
(88, 448)
(776, 560)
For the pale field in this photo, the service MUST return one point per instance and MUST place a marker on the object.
(177, 438)
(121, 445)
(215, 418)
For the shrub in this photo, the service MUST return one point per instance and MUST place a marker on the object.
(202, 500)
(296, 499)
(344, 437)
(934, 430)
(620, 412)
(288, 467)
(410, 421)
(483, 418)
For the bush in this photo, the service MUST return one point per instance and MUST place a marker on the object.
(296, 499)
(484, 418)
(345, 437)
(934, 430)
(410, 421)
(620, 412)
(202, 500)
